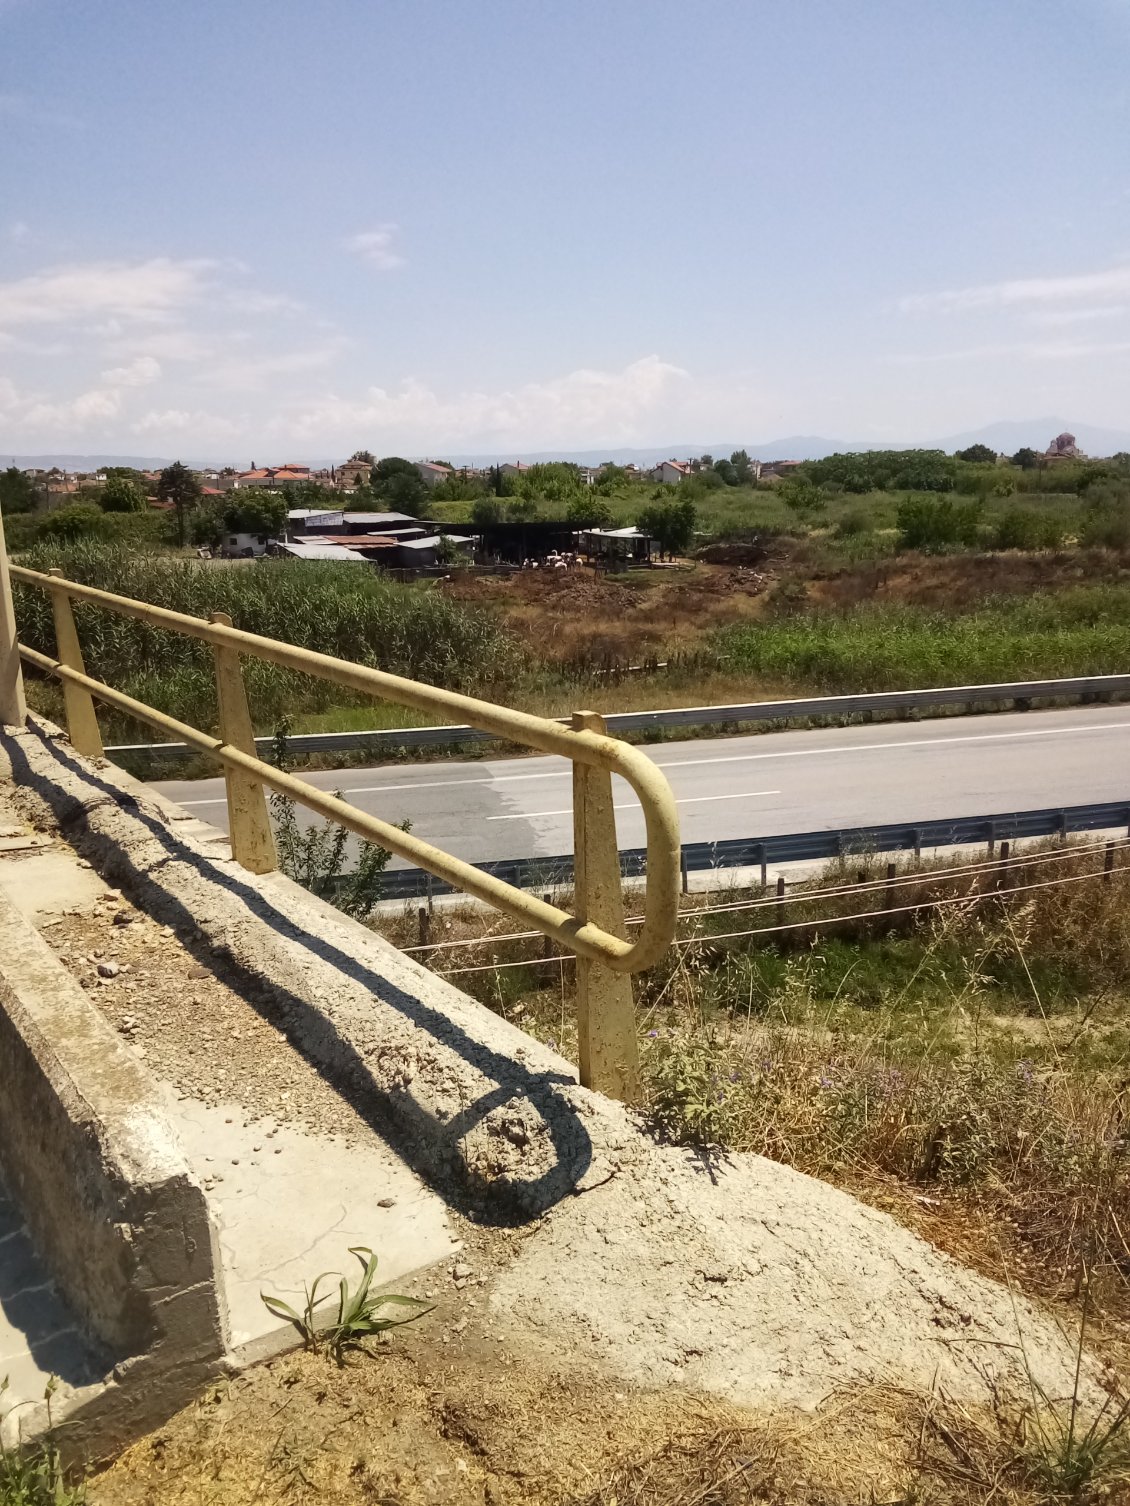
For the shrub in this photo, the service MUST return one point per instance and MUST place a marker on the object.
(1025, 528)
(930, 525)
(852, 524)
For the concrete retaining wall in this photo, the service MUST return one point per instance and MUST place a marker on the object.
(94, 1165)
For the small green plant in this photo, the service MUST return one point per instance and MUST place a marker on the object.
(357, 1311)
(315, 857)
(1073, 1461)
(34, 1476)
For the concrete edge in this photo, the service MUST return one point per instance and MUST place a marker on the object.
(95, 1168)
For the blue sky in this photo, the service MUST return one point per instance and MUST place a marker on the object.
(287, 228)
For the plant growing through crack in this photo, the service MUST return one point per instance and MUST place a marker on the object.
(359, 1310)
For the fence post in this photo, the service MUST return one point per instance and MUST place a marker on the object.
(13, 707)
(252, 841)
(82, 719)
(606, 1015)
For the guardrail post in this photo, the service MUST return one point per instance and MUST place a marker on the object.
(606, 1014)
(252, 840)
(13, 707)
(82, 719)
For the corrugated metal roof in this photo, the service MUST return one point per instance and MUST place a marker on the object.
(378, 519)
(303, 550)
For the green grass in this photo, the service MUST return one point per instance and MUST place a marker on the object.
(1078, 631)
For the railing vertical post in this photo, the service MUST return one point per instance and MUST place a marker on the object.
(606, 1016)
(13, 707)
(252, 841)
(82, 719)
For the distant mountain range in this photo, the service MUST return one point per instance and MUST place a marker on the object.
(1006, 437)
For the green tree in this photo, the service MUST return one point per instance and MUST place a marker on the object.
(179, 486)
(80, 520)
(365, 455)
(727, 470)
(932, 524)
(589, 511)
(670, 524)
(1026, 459)
(977, 454)
(743, 466)
(485, 511)
(17, 491)
(802, 497)
(522, 509)
(397, 486)
(254, 511)
(120, 494)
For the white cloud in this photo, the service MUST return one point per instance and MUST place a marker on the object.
(376, 247)
(138, 292)
(1031, 350)
(174, 421)
(1020, 292)
(1055, 318)
(254, 371)
(139, 373)
(584, 405)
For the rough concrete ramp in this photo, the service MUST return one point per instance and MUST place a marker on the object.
(40, 1336)
(743, 1277)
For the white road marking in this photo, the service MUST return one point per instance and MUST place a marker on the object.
(685, 763)
(916, 742)
(635, 805)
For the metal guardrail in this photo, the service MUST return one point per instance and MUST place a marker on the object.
(812, 846)
(841, 707)
(596, 932)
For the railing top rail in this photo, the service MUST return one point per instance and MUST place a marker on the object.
(581, 746)
(518, 726)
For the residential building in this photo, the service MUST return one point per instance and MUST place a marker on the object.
(353, 473)
(513, 467)
(671, 472)
(432, 472)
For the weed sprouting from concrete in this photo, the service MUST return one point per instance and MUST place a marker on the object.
(33, 1475)
(359, 1310)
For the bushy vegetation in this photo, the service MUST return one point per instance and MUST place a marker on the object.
(338, 609)
(1079, 631)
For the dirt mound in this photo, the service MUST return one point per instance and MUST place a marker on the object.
(747, 552)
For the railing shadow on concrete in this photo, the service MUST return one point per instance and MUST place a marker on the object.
(596, 933)
(430, 1144)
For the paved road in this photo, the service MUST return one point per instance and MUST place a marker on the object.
(756, 786)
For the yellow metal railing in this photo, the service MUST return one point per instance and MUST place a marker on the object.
(595, 932)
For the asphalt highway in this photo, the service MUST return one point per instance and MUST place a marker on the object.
(764, 785)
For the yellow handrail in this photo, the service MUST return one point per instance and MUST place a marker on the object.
(595, 933)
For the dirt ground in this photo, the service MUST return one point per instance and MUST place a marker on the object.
(424, 1421)
(581, 615)
(583, 618)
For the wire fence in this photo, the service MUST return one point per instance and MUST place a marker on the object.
(1002, 869)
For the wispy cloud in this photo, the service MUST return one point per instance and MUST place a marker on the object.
(140, 373)
(137, 292)
(583, 405)
(1021, 292)
(1029, 350)
(1056, 318)
(376, 247)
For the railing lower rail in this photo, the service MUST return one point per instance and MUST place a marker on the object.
(595, 931)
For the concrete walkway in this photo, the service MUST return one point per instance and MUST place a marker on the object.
(287, 1201)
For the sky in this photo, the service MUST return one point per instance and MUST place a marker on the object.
(287, 229)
